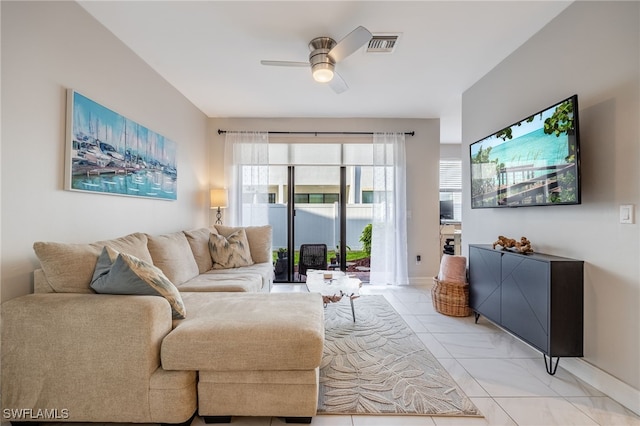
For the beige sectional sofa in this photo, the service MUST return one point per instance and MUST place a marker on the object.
(69, 354)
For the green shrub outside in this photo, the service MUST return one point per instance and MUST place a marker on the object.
(352, 255)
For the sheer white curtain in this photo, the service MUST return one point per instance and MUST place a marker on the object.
(389, 230)
(247, 175)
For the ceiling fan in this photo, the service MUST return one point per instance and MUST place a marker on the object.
(325, 53)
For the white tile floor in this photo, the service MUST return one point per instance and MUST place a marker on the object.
(504, 377)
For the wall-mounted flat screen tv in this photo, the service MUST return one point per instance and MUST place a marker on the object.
(534, 162)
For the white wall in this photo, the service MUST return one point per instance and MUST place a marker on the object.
(48, 47)
(422, 152)
(591, 49)
(451, 151)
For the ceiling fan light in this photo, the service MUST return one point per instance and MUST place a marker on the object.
(323, 73)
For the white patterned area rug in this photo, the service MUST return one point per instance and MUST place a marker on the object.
(378, 365)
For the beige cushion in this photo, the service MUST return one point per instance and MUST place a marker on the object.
(40, 282)
(265, 270)
(69, 267)
(199, 242)
(272, 393)
(132, 244)
(172, 254)
(223, 282)
(259, 238)
(247, 331)
(230, 252)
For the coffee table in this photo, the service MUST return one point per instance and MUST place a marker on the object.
(333, 286)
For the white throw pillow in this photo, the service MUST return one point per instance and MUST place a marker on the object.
(230, 252)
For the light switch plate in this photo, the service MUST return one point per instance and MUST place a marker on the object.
(626, 213)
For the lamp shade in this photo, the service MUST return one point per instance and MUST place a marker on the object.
(218, 198)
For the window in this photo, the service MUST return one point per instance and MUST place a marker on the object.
(316, 198)
(301, 198)
(367, 197)
(331, 198)
(451, 189)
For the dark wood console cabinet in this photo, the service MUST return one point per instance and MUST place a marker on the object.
(536, 297)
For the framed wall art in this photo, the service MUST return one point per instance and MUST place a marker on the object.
(108, 153)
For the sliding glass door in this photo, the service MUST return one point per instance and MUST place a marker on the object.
(316, 221)
(316, 200)
(305, 211)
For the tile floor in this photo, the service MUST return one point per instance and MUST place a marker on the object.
(504, 377)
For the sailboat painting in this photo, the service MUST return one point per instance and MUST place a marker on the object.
(111, 154)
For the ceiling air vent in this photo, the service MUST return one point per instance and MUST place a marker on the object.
(382, 43)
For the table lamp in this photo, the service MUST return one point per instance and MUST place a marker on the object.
(218, 201)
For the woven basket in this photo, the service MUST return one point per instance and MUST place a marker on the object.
(451, 298)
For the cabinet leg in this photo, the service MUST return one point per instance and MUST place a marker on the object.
(551, 369)
(477, 315)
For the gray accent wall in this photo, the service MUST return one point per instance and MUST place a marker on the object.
(592, 49)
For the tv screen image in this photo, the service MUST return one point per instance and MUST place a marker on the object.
(534, 162)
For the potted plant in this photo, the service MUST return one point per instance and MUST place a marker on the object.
(282, 264)
(282, 253)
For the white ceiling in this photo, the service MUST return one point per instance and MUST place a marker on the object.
(210, 51)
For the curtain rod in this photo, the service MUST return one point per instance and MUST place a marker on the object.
(220, 132)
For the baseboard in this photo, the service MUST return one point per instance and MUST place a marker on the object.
(421, 281)
(604, 382)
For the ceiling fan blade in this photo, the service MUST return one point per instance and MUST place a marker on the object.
(350, 43)
(285, 63)
(338, 84)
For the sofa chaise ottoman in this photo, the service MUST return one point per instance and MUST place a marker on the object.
(256, 354)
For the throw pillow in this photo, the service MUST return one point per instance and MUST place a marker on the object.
(230, 252)
(259, 238)
(130, 275)
(105, 261)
